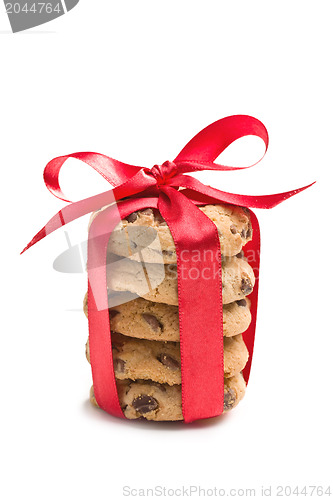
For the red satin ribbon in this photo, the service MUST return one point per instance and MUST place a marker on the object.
(200, 299)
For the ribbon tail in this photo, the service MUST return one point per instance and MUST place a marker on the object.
(136, 184)
(70, 213)
(199, 192)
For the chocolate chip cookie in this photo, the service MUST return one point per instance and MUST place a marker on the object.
(147, 232)
(161, 402)
(153, 321)
(158, 283)
(160, 361)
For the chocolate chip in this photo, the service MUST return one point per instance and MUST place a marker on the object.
(113, 313)
(249, 233)
(241, 303)
(117, 345)
(147, 211)
(169, 362)
(229, 399)
(233, 229)
(152, 322)
(246, 286)
(132, 217)
(243, 233)
(119, 365)
(167, 252)
(240, 255)
(144, 404)
(159, 219)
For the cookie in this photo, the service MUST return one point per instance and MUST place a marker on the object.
(153, 321)
(158, 283)
(160, 361)
(161, 402)
(147, 232)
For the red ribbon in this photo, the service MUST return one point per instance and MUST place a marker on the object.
(200, 300)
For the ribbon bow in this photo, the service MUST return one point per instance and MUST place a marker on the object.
(200, 300)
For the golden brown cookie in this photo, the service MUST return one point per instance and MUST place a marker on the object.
(161, 402)
(147, 232)
(159, 283)
(153, 321)
(160, 361)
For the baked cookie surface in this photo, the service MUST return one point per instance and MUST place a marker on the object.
(147, 232)
(160, 361)
(144, 319)
(161, 402)
(158, 283)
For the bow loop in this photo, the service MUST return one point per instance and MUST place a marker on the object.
(129, 180)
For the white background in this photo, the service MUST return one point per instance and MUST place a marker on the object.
(136, 80)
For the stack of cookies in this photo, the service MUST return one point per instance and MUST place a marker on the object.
(143, 309)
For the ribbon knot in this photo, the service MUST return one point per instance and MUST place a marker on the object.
(164, 172)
